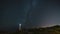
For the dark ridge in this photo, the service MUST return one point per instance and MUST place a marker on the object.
(47, 30)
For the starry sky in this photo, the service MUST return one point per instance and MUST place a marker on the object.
(29, 13)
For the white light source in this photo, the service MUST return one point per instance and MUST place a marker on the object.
(19, 26)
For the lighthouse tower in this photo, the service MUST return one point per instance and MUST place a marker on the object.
(19, 27)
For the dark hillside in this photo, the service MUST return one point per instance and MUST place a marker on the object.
(46, 30)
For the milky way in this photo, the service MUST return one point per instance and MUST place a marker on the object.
(29, 13)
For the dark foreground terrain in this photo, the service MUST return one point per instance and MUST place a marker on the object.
(47, 30)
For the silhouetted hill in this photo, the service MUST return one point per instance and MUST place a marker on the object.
(47, 30)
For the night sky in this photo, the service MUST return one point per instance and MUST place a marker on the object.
(29, 13)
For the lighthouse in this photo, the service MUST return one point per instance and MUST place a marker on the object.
(19, 27)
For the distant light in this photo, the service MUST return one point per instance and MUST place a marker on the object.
(19, 26)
